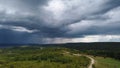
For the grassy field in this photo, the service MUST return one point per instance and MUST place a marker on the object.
(106, 63)
(50, 57)
(29, 57)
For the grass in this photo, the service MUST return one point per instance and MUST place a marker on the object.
(106, 63)
(40, 58)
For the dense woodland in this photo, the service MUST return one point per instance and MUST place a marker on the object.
(106, 49)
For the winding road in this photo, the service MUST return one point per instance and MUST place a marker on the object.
(92, 60)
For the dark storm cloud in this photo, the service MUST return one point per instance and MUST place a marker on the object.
(40, 19)
(12, 37)
(114, 3)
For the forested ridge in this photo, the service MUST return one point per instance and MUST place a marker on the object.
(104, 49)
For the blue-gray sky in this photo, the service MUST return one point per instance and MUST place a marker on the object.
(59, 21)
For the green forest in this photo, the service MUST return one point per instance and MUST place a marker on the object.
(72, 55)
(104, 49)
(39, 57)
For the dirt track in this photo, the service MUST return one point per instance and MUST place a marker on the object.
(92, 60)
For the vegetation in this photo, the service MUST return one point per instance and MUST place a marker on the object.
(61, 56)
(102, 62)
(39, 57)
(97, 49)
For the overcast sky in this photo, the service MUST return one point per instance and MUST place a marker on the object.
(59, 21)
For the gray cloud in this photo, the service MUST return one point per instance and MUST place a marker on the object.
(35, 21)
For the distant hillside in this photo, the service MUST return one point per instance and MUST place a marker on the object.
(105, 49)
(83, 46)
(96, 46)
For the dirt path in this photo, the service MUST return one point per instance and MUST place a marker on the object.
(92, 60)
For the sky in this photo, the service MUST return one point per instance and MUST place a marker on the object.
(59, 21)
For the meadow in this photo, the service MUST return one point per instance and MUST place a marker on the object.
(102, 62)
(105, 55)
(38, 57)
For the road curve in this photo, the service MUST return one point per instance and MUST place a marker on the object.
(92, 60)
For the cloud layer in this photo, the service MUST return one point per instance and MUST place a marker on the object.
(42, 21)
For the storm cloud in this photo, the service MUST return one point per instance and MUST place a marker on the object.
(52, 21)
